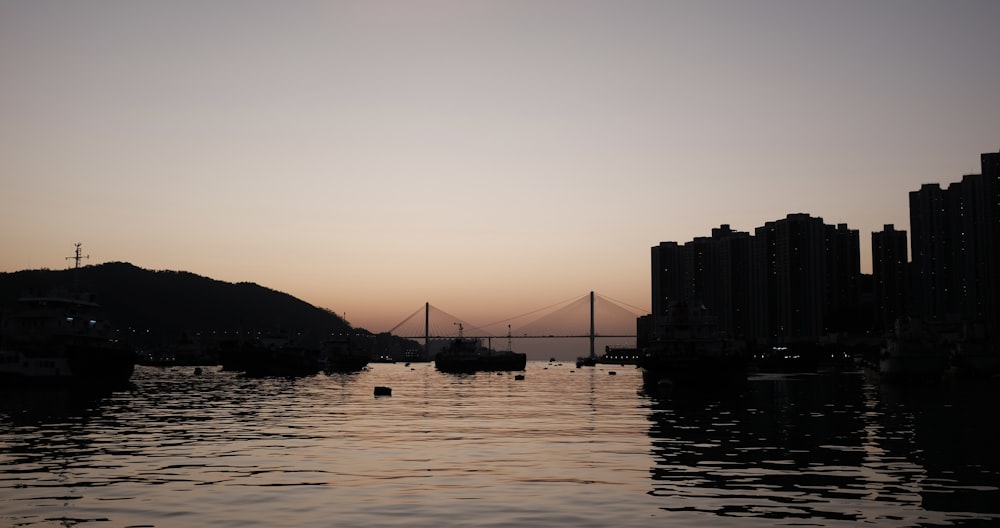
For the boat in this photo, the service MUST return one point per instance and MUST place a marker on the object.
(613, 355)
(974, 354)
(912, 353)
(619, 355)
(62, 338)
(586, 361)
(341, 354)
(688, 349)
(276, 354)
(467, 355)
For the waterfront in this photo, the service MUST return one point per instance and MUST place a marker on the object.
(562, 447)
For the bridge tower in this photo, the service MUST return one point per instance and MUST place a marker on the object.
(592, 355)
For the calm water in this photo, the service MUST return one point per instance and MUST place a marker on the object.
(563, 447)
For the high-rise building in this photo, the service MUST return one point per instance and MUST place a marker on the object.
(722, 276)
(954, 252)
(889, 265)
(843, 275)
(731, 251)
(668, 276)
(714, 271)
(930, 249)
(791, 265)
(795, 280)
(991, 234)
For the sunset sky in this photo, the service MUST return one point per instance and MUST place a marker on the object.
(491, 158)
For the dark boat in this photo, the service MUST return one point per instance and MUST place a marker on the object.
(62, 338)
(619, 355)
(688, 349)
(467, 355)
(611, 356)
(974, 355)
(586, 361)
(271, 355)
(912, 352)
(341, 354)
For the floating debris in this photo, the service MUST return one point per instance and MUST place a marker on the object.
(383, 391)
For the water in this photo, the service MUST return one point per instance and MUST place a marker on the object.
(563, 447)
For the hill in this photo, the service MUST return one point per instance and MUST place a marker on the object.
(158, 307)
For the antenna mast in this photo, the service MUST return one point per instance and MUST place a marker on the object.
(77, 257)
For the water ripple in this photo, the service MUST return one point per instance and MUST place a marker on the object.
(561, 447)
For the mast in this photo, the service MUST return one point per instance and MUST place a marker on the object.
(77, 256)
(592, 356)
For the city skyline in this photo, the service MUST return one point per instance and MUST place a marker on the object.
(488, 158)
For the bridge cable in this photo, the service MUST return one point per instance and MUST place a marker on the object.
(640, 310)
(404, 321)
(574, 299)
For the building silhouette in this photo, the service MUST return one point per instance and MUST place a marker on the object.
(843, 275)
(955, 236)
(712, 270)
(889, 276)
(798, 279)
(791, 257)
(990, 165)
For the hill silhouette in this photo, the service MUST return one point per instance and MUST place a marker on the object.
(158, 307)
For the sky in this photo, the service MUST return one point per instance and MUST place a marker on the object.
(489, 157)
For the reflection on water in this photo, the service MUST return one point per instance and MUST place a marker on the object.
(830, 450)
(564, 446)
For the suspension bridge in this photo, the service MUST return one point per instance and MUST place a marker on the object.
(581, 317)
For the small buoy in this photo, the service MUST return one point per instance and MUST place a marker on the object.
(383, 391)
(612, 373)
(519, 377)
(197, 371)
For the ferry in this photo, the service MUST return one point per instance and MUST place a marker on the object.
(62, 337)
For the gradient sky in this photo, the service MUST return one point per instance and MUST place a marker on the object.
(489, 157)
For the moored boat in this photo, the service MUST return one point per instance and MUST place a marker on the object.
(62, 338)
(586, 361)
(342, 354)
(619, 355)
(687, 349)
(912, 353)
(468, 355)
(272, 355)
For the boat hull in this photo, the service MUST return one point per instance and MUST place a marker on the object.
(497, 362)
(707, 365)
(467, 356)
(260, 361)
(76, 364)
